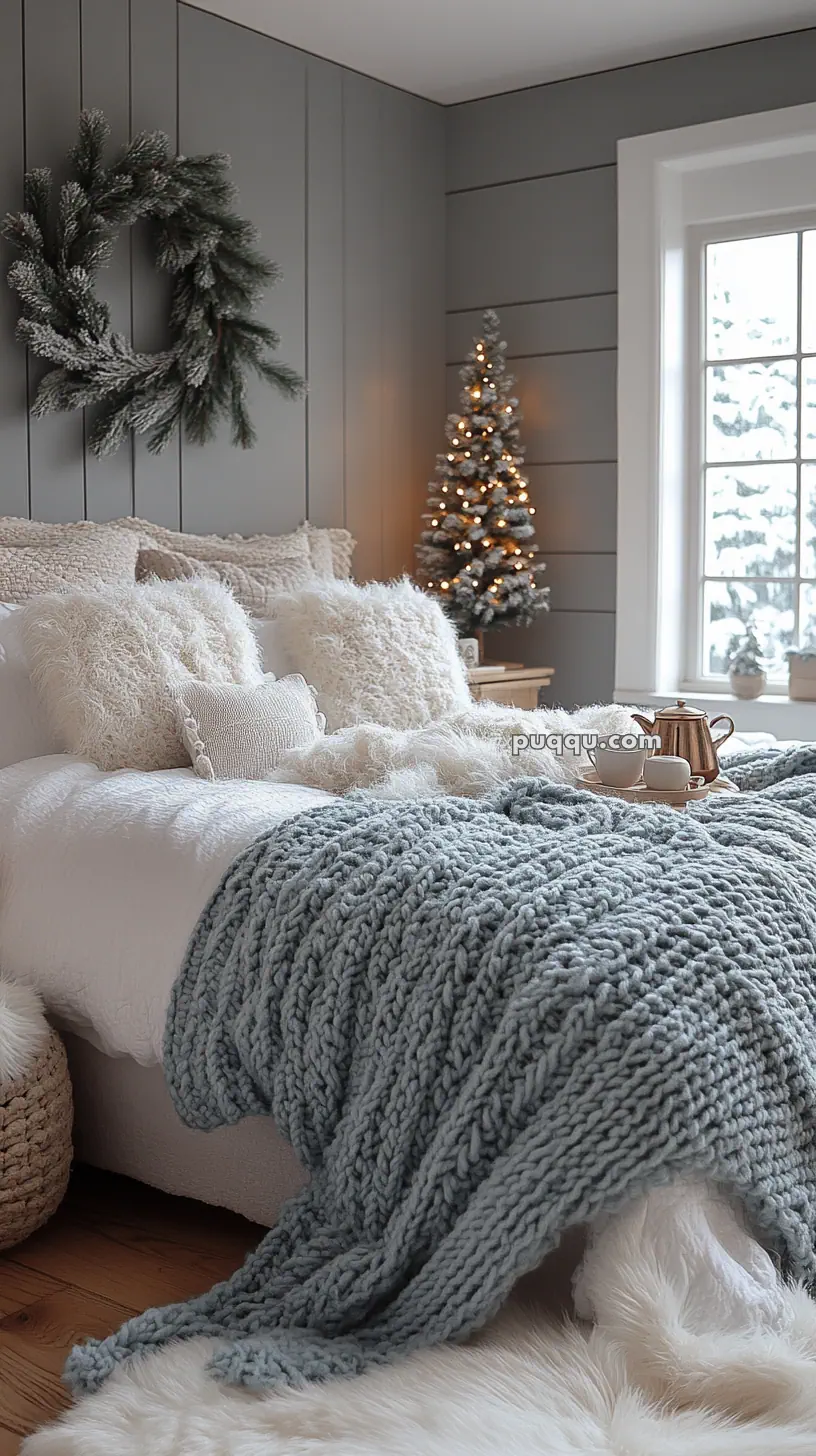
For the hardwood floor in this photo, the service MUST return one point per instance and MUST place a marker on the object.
(114, 1248)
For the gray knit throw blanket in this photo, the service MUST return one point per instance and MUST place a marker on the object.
(480, 1023)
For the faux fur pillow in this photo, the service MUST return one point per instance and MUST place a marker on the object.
(243, 732)
(109, 665)
(379, 653)
(33, 564)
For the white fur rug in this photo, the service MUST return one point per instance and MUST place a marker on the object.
(23, 1029)
(468, 753)
(697, 1349)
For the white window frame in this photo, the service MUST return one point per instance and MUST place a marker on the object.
(698, 237)
(760, 170)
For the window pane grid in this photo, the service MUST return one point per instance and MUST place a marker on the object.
(755, 506)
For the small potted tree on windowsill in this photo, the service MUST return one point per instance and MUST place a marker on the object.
(745, 671)
(802, 674)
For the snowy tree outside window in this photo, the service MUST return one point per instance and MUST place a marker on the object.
(758, 558)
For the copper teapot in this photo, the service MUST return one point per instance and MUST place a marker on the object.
(686, 732)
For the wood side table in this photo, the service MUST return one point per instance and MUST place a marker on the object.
(509, 683)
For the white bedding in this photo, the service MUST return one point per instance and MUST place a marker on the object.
(103, 877)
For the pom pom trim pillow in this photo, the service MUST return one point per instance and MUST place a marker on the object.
(109, 665)
(235, 732)
(379, 653)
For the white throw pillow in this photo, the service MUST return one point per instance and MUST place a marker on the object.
(24, 728)
(108, 665)
(380, 653)
(233, 732)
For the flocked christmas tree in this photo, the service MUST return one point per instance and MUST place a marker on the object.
(477, 551)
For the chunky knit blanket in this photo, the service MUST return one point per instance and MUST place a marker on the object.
(480, 1023)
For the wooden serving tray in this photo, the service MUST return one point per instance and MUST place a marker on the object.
(639, 794)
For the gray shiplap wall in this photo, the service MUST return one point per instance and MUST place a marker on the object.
(532, 232)
(344, 178)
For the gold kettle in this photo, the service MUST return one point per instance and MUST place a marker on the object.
(686, 732)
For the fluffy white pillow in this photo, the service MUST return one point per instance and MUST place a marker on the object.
(380, 653)
(108, 665)
(24, 728)
(233, 732)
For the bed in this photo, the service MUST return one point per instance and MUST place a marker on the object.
(102, 879)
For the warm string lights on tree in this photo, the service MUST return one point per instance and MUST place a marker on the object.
(477, 551)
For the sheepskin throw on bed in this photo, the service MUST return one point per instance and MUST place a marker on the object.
(480, 1023)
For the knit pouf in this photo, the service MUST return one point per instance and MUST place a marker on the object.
(36, 1115)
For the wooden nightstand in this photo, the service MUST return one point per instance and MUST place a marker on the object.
(509, 682)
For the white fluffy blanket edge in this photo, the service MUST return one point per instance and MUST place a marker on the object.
(468, 753)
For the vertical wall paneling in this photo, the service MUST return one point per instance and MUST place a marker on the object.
(324, 293)
(52, 101)
(105, 76)
(363, 316)
(153, 107)
(260, 121)
(343, 178)
(397, 363)
(427, 319)
(13, 418)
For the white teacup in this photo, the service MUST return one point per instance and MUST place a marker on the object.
(618, 768)
(667, 773)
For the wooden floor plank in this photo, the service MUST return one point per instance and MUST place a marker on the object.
(137, 1270)
(20, 1286)
(29, 1396)
(44, 1332)
(113, 1249)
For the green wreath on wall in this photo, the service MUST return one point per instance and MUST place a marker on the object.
(218, 278)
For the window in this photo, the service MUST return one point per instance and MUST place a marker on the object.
(752, 485)
(716, 407)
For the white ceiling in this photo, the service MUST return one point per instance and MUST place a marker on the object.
(454, 50)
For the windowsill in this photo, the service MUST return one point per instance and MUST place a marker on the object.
(772, 713)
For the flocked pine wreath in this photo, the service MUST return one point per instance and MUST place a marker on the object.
(218, 278)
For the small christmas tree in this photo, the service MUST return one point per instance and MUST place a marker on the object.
(477, 552)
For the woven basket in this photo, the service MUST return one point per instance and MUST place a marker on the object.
(36, 1116)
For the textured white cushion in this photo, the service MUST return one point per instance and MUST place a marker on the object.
(108, 665)
(243, 732)
(254, 581)
(25, 731)
(379, 653)
(31, 564)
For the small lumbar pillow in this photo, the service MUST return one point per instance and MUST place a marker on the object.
(380, 653)
(108, 665)
(243, 732)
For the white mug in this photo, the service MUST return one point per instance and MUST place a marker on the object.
(469, 651)
(618, 768)
(667, 772)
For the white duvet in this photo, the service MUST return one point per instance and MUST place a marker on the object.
(103, 877)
